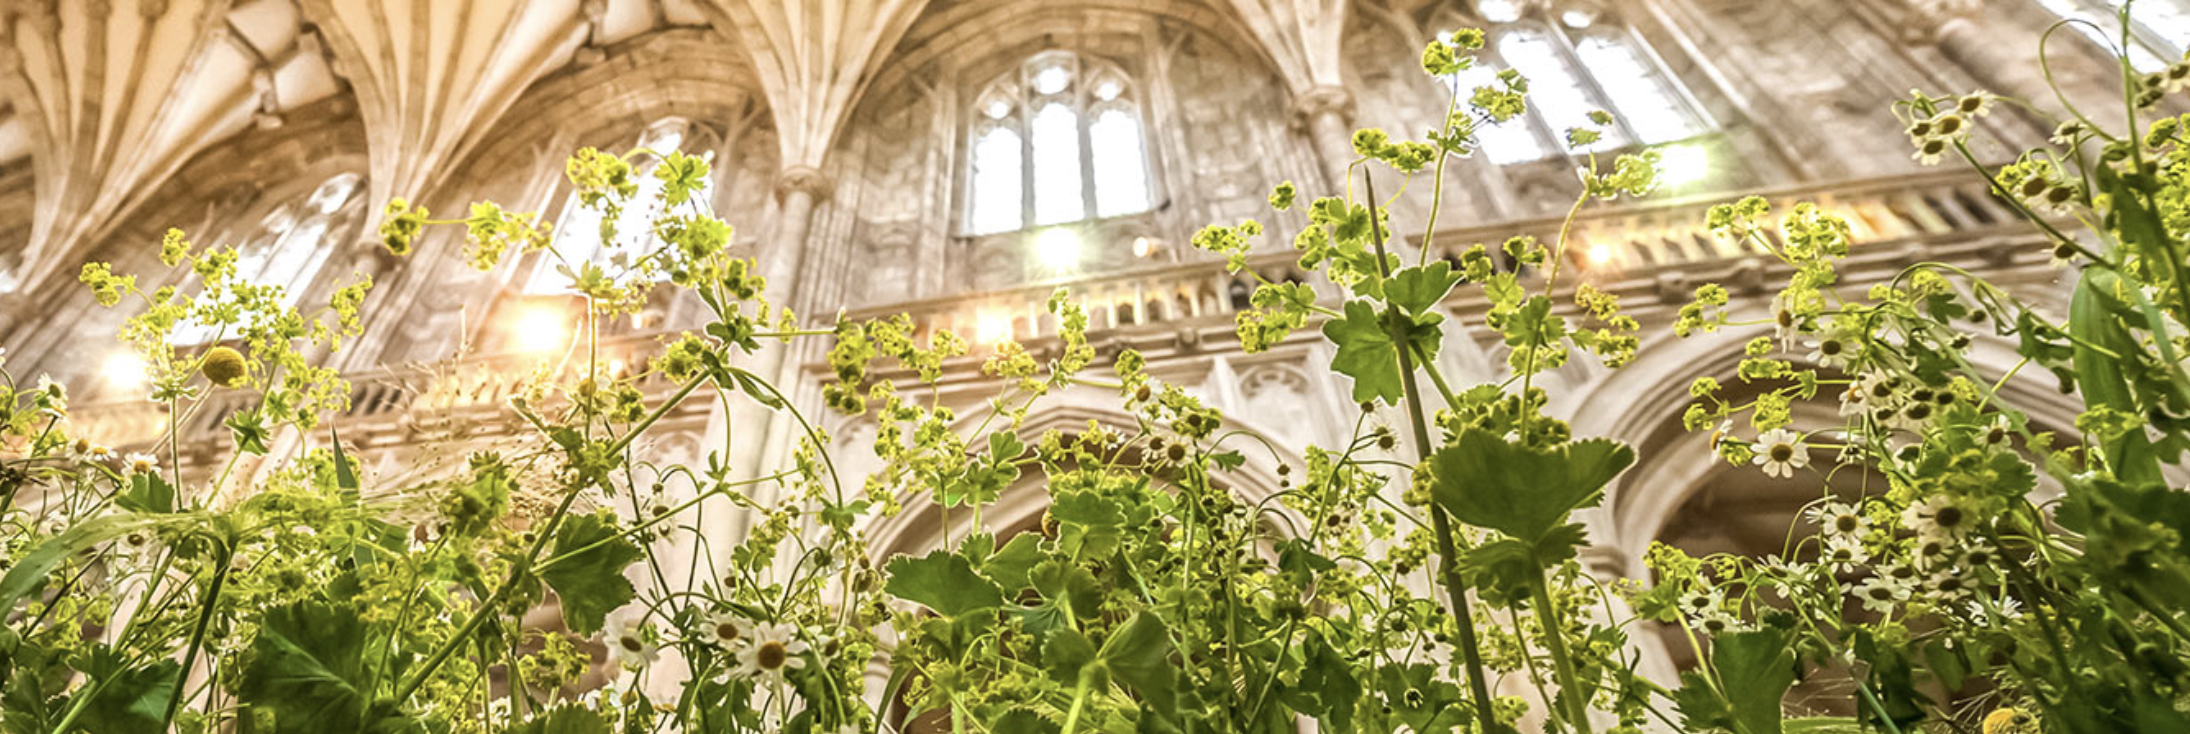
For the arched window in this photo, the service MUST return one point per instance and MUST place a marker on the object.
(579, 231)
(2159, 30)
(1057, 140)
(1577, 59)
(289, 249)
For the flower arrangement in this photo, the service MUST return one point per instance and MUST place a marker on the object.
(1992, 576)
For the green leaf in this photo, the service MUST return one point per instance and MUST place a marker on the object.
(307, 667)
(943, 582)
(1368, 354)
(1418, 289)
(30, 571)
(1139, 656)
(128, 699)
(147, 493)
(2102, 378)
(587, 570)
(1066, 655)
(1522, 492)
(1009, 565)
(563, 720)
(345, 473)
(1756, 667)
(250, 431)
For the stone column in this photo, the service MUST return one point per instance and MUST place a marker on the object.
(752, 428)
(1327, 114)
(2001, 67)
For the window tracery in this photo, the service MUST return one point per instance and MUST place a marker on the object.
(1577, 59)
(1058, 140)
(2159, 29)
(580, 231)
(290, 247)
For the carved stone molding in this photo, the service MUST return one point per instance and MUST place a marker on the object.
(1322, 100)
(1927, 20)
(807, 179)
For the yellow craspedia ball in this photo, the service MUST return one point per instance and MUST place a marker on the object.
(224, 366)
(2007, 721)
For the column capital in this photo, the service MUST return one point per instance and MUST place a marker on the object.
(1321, 100)
(1928, 20)
(804, 178)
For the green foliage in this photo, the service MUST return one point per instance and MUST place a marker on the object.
(586, 570)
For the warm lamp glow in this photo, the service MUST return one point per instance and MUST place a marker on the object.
(1682, 165)
(1058, 249)
(994, 328)
(1142, 247)
(539, 329)
(125, 369)
(1599, 254)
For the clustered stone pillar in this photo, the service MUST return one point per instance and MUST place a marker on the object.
(2001, 68)
(1327, 112)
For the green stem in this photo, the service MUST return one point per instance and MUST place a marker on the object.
(197, 635)
(1448, 571)
(1072, 716)
(1562, 663)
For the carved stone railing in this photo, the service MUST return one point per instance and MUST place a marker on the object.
(1634, 244)
(1640, 240)
(390, 400)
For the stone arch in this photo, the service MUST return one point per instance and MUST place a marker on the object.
(1642, 405)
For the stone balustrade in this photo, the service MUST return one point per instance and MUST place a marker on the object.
(1633, 245)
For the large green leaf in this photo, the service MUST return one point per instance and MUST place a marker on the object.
(127, 700)
(1368, 353)
(1519, 491)
(2101, 377)
(1420, 288)
(1756, 668)
(307, 667)
(588, 570)
(1138, 655)
(944, 582)
(32, 568)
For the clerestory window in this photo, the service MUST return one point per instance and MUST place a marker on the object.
(1057, 140)
(581, 232)
(1577, 59)
(2159, 30)
(289, 249)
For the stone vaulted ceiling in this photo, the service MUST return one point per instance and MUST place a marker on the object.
(102, 100)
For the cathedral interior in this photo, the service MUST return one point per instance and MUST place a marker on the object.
(959, 160)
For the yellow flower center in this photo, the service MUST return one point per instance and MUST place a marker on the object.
(771, 655)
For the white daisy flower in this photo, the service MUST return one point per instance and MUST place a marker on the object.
(1781, 452)
(1929, 151)
(1997, 433)
(1720, 434)
(1702, 602)
(1785, 326)
(1853, 399)
(1939, 516)
(1842, 554)
(1978, 556)
(724, 630)
(1840, 519)
(1931, 552)
(2068, 132)
(1718, 623)
(1974, 104)
(627, 644)
(1880, 595)
(1831, 349)
(774, 649)
(3, 356)
(1947, 586)
(49, 387)
(80, 449)
(141, 463)
(2174, 78)
(99, 454)
(1950, 126)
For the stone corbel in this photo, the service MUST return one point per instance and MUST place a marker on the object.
(1322, 100)
(807, 179)
(1927, 21)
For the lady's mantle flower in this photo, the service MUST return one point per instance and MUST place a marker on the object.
(628, 644)
(1940, 516)
(775, 648)
(1781, 452)
(724, 630)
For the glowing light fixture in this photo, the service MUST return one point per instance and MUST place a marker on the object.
(1681, 165)
(125, 369)
(993, 328)
(1142, 247)
(539, 329)
(1600, 254)
(1058, 249)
